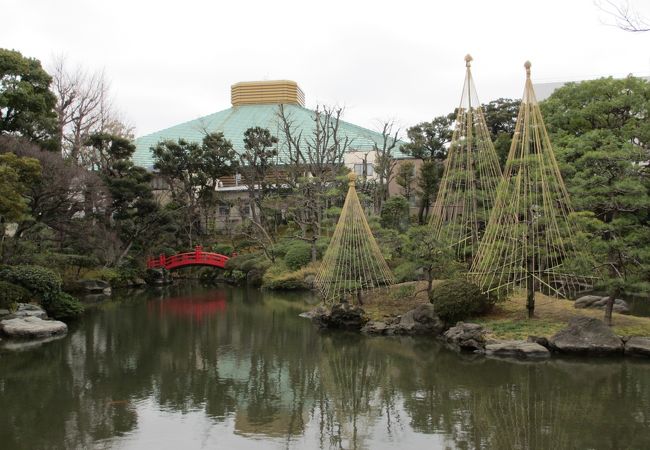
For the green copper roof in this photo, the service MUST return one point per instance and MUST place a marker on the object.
(233, 122)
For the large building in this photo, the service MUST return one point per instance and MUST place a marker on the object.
(256, 104)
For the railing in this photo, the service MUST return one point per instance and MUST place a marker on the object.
(196, 258)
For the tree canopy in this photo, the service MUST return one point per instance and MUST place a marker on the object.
(26, 102)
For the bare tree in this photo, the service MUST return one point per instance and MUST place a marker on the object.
(314, 161)
(385, 162)
(625, 16)
(84, 107)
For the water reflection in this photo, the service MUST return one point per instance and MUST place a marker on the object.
(235, 368)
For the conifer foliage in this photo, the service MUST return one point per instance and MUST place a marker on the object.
(353, 262)
(529, 241)
(472, 174)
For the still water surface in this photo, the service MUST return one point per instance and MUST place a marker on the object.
(190, 367)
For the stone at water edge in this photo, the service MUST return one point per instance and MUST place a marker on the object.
(466, 336)
(28, 310)
(342, 316)
(32, 327)
(586, 335)
(375, 327)
(420, 320)
(538, 340)
(517, 349)
(318, 311)
(638, 346)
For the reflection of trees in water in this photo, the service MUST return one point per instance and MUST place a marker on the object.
(353, 380)
(277, 377)
(516, 416)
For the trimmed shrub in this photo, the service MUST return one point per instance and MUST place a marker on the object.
(10, 294)
(280, 277)
(458, 299)
(224, 249)
(395, 213)
(62, 306)
(39, 280)
(298, 255)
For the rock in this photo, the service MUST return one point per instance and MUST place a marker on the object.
(4, 312)
(638, 346)
(420, 320)
(376, 327)
(342, 316)
(586, 301)
(598, 302)
(538, 340)
(254, 278)
(28, 310)
(94, 286)
(318, 311)
(586, 335)
(466, 336)
(32, 327)
(517, 349)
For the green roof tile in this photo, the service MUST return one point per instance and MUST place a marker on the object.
(233, 122)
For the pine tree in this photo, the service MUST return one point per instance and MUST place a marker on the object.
(529, 241)
(471, 177)
(353, 262)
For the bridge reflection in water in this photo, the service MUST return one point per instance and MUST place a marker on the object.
(196, 307)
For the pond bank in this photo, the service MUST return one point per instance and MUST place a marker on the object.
(558, 327)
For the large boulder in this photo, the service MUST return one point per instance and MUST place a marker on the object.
(94, 286)
(586, 301)
(638, 346)
(377, 327)
(586, 335)
(32, 327)
(598, 302)
(28, 310)
(342, 316)
(420, 320)
(466, 336)
(517, 349)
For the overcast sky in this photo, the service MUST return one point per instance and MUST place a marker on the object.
(170, 62)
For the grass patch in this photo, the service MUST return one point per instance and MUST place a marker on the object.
(509, 319)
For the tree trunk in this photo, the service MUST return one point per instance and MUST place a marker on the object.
(530, 298)
(314, 250)
(429, 281)
(609, 307)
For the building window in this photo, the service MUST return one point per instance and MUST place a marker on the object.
(224, 210)
(358, 169)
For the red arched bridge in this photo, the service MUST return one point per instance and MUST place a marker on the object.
(196, 258)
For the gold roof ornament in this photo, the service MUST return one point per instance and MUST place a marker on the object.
(471, 177)
(353, 262)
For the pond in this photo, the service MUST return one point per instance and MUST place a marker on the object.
(191, 367)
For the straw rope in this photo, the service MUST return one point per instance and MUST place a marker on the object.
(530, 235)
(353, 261)
(471, 177)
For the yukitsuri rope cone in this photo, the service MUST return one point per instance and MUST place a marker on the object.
(471, 177)
(353, 261)
(529, 240)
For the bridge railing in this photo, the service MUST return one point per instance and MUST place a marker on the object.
(197, 257)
